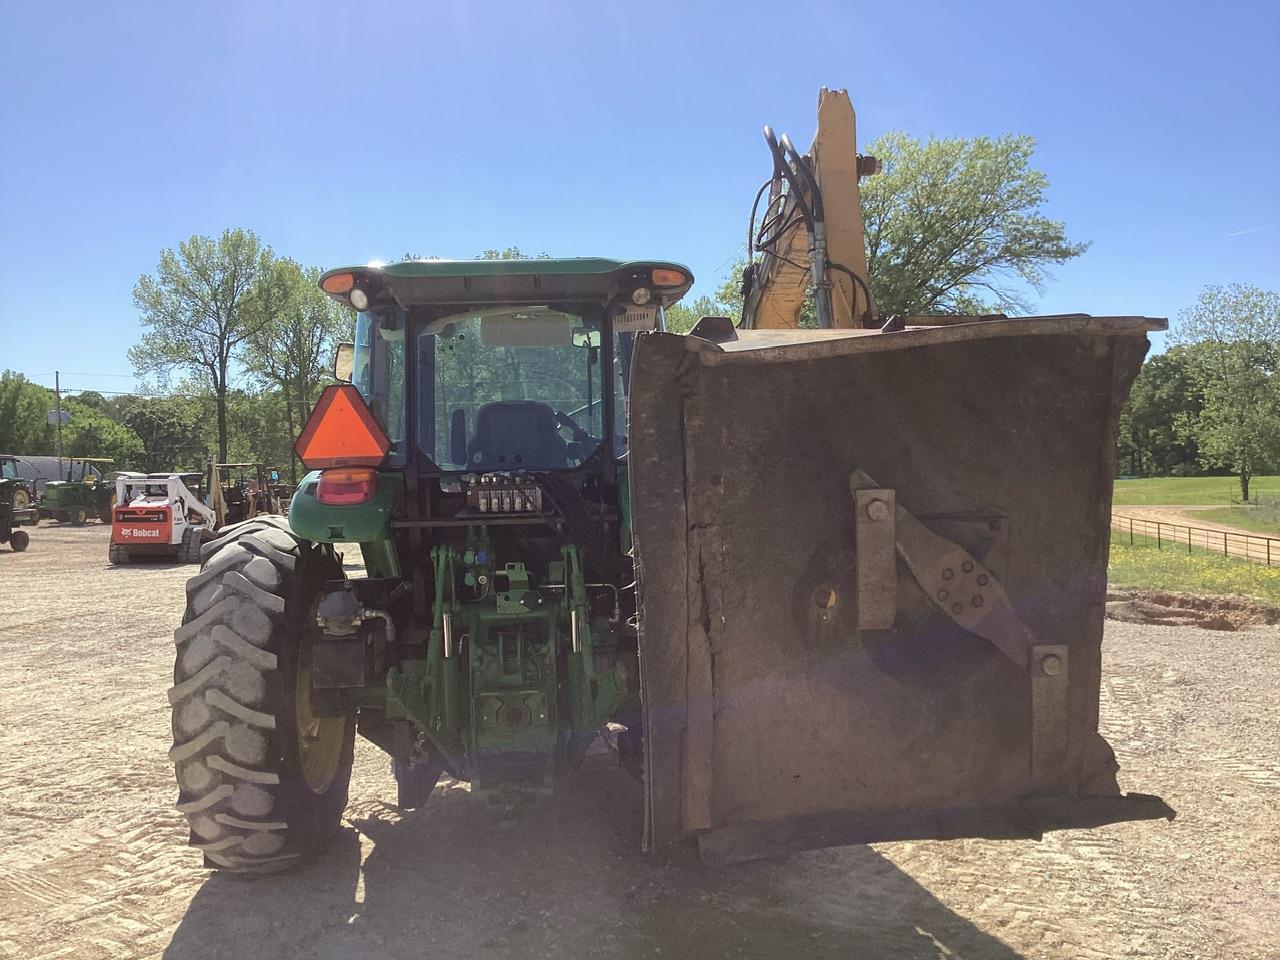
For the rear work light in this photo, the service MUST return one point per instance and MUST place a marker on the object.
(345, 486)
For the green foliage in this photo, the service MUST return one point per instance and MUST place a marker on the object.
(24, 412)
(92, 433)
(952, 226)
(507, 253)
(1236, 334)
(1236, 313)
(194, 309)
(296, 330)
(259, 432)
(511, 253)
(950, 223)
(1164, 393)
(682, 316)
(170, 430)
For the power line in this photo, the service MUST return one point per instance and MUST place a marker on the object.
(72, 373)
(742, 248)
(152, 395)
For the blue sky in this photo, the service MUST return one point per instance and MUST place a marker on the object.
(346, 132)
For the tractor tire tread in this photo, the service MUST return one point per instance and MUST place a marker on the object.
(244, 807)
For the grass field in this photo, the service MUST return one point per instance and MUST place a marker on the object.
(1142, 565)
(1263, 519)
(1193, 490)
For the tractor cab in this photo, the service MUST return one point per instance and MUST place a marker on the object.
(485, 376)
(518, 364)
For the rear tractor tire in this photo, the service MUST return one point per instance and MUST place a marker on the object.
(78, 516)
(21, 499)
(262, 779)
(18, 541)
(118, 554)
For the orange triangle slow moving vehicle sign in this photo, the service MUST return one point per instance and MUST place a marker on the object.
(341, 432)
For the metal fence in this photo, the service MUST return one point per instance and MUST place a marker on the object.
(1176, 536)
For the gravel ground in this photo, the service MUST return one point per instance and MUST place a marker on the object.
(93, 863)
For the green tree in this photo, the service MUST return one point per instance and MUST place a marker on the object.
(1236, 331)
(91, 433)
(507, 253)
(297, 329)
(92, 398)
(955, 224)
(512, 253)
(24, 413)
(194, 309)
(259, 433)
(682, 316)
(952, 226)
(1164, 395)
(170, 431)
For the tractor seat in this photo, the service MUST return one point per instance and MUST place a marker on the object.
(516, 434)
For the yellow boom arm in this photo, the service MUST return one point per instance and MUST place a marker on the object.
(815, 203)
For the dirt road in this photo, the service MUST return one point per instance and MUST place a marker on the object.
(92, 863)
(1182, 524)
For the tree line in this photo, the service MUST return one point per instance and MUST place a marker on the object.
(1211, 402)
(237, 340)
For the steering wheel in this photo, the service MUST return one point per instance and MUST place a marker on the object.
(566, 421)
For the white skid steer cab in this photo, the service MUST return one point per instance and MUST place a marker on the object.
(160, 515)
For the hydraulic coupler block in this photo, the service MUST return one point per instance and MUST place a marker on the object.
(503, 493)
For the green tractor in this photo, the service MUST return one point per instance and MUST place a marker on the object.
(86, 491)
(773, 567)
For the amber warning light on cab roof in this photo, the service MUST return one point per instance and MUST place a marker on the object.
(341, 432)
(664, 277)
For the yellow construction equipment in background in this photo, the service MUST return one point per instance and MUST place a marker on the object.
(812, 225)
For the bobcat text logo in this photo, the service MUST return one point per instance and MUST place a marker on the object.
(127, 533)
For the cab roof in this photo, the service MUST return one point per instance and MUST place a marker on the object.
(417, 282)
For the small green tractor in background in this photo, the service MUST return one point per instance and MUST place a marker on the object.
(86, 491)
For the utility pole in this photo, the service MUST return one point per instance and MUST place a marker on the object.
(57, 392)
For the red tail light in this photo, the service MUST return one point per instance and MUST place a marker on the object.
(344, 486)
